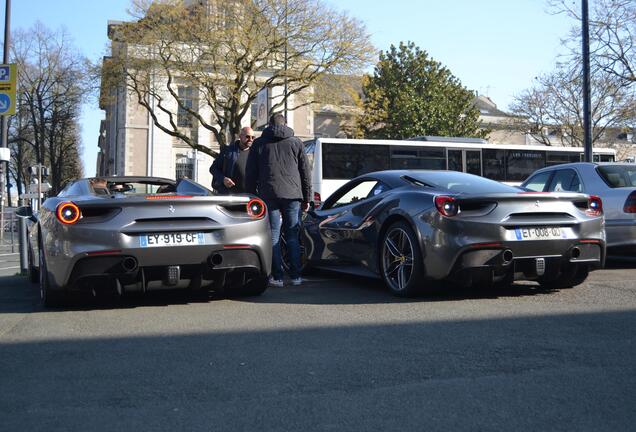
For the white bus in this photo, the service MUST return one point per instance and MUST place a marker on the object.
(334, 160)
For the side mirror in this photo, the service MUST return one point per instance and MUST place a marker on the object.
(24, 212)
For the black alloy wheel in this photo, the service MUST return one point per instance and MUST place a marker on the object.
(401, 260)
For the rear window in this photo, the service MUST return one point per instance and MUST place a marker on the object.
(462, 183)
(617, 176)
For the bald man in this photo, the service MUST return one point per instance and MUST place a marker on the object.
(228, 169)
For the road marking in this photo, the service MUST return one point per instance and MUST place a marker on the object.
(9, 254)
(9, 268)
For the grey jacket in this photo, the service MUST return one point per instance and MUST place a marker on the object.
(277, 166)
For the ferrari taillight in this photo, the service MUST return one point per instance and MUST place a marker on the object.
(446, 205)
(630, 204)
(256, 208)
(317, 198)
(594, 206)
(68, 213)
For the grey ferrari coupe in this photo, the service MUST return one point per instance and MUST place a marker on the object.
(144, 233)
(414, 228)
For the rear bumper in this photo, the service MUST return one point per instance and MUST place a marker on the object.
(449, 245)
(126, 268)
(103, 254)
(523, 264)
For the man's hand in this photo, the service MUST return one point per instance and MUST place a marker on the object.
(228, 182)
(305, 206)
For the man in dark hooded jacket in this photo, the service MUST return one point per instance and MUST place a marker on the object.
(278, 172)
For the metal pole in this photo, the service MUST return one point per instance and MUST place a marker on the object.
(24, 259)
(4, 142)
(587, 113)
(285, 62)
(22, 224)
(40, 186)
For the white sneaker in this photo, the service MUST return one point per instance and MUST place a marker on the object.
(275, 282)
(297, 281)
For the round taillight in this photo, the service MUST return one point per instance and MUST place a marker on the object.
(68, 213)
(446, 205)
(594, 206)
(256, 208)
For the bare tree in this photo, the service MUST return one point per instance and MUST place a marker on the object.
(552, 110)
(53, 83)
(612, 35)
(211, 59)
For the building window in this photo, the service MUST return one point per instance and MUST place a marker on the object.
(186, 99)
(184, 167)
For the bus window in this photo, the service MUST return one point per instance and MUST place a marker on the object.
(494, 167)
(473, 162)
(557, 158)
(521, 163)
(455, 160)
(346, 161)
(418, 158)
(607, 158)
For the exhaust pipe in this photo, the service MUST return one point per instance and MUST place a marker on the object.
(129, 264)
(576, 252)
(507, 256)
(215, 260)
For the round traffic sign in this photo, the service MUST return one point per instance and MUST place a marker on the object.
(5, 103)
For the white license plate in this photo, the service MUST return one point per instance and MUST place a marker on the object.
(171, 239)
(539, 233)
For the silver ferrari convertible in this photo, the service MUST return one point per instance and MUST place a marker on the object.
(413, 228)
(144, 233)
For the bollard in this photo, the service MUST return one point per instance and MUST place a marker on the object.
(24, 259)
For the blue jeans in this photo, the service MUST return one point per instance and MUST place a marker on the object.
(290, 224)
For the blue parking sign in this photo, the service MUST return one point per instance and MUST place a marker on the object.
(5, 73)
(5, 103)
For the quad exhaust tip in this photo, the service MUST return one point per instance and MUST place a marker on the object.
(576, 252)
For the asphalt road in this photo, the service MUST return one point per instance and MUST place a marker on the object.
(338, 353)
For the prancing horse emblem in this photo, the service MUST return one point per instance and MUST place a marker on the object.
(536, 204)
(171, 209)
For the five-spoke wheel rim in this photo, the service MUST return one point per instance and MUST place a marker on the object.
(397, 258)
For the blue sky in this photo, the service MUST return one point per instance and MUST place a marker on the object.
(495, 47)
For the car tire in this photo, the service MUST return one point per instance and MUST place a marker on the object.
(401, 264)
(570, 277)
(49, 297)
